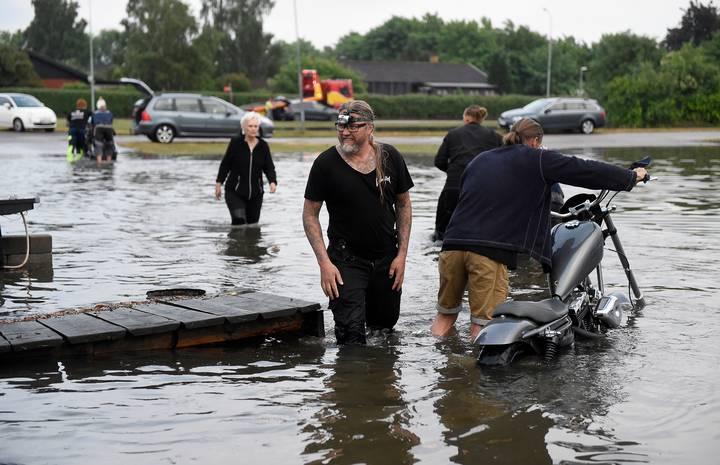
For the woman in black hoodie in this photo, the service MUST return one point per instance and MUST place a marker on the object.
(246, 159)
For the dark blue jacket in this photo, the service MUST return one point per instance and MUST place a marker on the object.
(505, 197)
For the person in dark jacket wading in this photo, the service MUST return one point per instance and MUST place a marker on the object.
(503, 210)
(246, 159)
(458, 148)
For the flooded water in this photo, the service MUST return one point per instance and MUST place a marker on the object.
(646, 394)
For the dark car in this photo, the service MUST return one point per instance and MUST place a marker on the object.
(314, 111)
(558, 114)
(164, 117)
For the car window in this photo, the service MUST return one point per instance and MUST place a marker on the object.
(557, 106)
(163, 104)
(574, 105)
(187, 104)
(26, 101)
(536, 105)
(211, 106)
(4, 100)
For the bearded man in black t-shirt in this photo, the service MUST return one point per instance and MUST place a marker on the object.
(365, 186)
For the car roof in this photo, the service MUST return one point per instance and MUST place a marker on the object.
(17, 94)
(179, 94)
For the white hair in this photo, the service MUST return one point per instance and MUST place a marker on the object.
(249, 116)
(101, 105)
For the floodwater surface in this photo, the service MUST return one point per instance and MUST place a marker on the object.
(646, 394)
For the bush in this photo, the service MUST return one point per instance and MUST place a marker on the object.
(417, 106)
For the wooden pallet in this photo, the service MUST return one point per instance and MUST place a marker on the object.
(162, 324)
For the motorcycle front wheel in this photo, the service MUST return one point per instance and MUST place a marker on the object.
(501, 355)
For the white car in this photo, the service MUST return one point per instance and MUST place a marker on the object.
(23, 111)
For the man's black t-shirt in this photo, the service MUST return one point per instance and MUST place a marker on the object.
(353, 201)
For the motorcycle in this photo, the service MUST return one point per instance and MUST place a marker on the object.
(577, 306)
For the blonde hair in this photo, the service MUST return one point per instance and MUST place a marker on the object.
(81, 103)
(523, 130)
(366, 113)
(476, 112)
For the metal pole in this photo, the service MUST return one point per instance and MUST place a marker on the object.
(582, 70)
(91, 78)
(549, 60)
(299, 66)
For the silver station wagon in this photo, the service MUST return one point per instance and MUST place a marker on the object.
(164, 117)
(559, 114)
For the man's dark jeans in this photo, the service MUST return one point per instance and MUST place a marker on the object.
(366, 297)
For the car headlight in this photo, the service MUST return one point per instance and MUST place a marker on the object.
(515, 119)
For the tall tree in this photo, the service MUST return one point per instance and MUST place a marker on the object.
(56, 32)
(16, 68)
(697, 25)
(109, 51)
(618, 54)
(159, 45)
(241, 45)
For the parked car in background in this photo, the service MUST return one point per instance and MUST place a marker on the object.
(559, 114)
(314, 111)
(23, 111)
(164, 117)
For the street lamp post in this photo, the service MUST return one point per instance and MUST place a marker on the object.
(91, 78)
(582, 70)
(549, 60)
(299, 66)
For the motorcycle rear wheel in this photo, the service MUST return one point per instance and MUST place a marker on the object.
(500, 355)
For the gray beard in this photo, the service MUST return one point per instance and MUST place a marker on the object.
(348, 148)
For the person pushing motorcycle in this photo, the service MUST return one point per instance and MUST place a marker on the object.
(503, 210)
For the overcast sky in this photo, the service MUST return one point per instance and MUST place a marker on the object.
(323, 22)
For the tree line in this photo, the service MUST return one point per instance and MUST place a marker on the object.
(640, 80)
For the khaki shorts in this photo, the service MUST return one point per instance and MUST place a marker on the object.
(485, 279)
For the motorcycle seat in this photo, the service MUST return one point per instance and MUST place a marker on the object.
(543, 311)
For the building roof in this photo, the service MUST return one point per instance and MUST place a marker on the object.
(47, 68)
(452, 74)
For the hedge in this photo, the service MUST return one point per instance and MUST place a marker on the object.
(419, 106)
(413, 106)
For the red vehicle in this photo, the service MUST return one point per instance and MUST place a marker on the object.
(331, 92)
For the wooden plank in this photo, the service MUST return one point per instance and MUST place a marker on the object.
(83, 328)
(260, 327)
(240, 311)
(278, 301)
(29, 335)
(138, 323)
(190, 319)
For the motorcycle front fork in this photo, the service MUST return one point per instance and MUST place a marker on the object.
(612, 232)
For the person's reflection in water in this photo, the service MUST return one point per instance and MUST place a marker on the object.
(364, 419)
(246, 243)
(481, 428)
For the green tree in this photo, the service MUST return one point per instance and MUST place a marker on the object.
(109, 52)
(235, 28)
(698, 24)
(616, 55)
(286, 80)
(160, 47)
(16, 68)
(56, 32)
(16, 39)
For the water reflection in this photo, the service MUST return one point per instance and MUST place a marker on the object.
(364, 418)
(246, 242)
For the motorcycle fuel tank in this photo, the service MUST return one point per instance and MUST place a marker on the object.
(577, 249)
